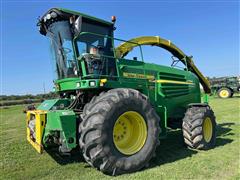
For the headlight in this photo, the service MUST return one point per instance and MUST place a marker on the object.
(92, 83)
(78, 84)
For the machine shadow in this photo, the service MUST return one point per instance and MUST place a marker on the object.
(171, 149)
(223, 130)
(64, 159)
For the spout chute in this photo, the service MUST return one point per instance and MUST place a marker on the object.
(123, 49)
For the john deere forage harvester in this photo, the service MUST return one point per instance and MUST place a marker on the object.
(114, 108)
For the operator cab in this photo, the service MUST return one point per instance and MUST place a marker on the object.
(81, 45)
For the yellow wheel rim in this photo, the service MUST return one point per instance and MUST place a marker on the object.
(224, 93)
(129, 133)
(207, 129)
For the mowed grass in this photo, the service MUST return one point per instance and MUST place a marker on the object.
(174, 161)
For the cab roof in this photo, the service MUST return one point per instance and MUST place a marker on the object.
(70, 12)
(66, 14)
(86, 16)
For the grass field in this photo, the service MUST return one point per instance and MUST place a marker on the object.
(174, 161)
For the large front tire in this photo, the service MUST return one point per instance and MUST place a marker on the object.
(199, 127)
(119, 132)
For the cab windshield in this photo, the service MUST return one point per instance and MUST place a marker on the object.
(95, 49)
(62, 50)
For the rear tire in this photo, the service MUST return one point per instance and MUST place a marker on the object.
(98, 142)
(224, 93)
(199, 128)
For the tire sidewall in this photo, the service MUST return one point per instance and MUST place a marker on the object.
(193, 132)
(122, 106)
(211, 143)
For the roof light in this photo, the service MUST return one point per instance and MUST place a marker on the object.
(53, 14)
(48, 16)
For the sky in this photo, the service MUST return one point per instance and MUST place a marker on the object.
(207, 30)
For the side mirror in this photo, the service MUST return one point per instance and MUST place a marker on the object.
(77, 26)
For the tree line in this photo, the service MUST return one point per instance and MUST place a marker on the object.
(27, 96)
(8, 100)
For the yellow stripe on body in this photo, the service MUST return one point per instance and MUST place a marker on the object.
(172, 81)
(151, 77)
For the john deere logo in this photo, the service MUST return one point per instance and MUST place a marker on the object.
(138, 76)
